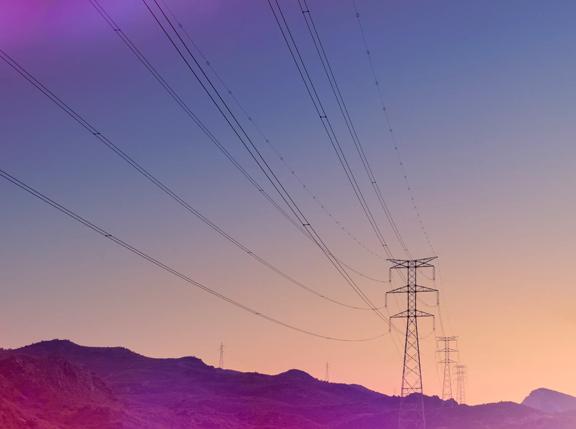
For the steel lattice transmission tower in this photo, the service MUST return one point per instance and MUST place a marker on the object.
(447, 350)
(461, 384)
(412, 370)
(221, 358)
(411, 414)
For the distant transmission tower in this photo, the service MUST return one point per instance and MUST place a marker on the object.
(327, 374)
(221, 359)
(411, 414)
(447, 350)
(461, 384)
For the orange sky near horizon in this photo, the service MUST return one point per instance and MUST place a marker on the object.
(483, 99)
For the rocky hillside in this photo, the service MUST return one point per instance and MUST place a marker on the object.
(58, 384)
(53, 393)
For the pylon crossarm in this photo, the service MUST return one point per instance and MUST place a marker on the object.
(401, 289)
(421, 289)
(399, 263)
(420, 313)
(425, 266)
(401, 315)
(404, 314)
(417, 288)
(417, 263)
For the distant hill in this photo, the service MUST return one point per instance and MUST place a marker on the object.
(550, 401)
(59, 384)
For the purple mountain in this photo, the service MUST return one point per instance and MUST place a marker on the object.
(58, 384)
(550, 401)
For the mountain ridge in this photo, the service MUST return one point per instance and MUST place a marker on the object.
(550, 401)
(115, 388)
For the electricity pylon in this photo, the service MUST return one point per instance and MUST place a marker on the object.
(411, 414)
(461, 384)
(221, 359)
(447, 350)
(327, 374)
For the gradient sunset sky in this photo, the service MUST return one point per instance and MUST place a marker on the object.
(482, 96)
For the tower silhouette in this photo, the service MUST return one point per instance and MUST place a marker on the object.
(411, 413)
(461, 384)
(221, 358)
(447, 350)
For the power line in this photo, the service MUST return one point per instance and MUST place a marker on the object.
(231, 119)
(361, 274)
(161, 185)
(396, 143)
(314, 196)
(101, 231)
(326, 123)
(281, 157)
(335, 87)
(393, 138)
(182, 104)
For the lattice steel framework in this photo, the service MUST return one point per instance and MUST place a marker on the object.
(411, 413)
(447, 362)
(461, 384)
(221, 357)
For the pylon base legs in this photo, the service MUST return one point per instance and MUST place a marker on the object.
(411, 413)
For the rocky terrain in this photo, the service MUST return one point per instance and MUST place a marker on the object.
(58, 384)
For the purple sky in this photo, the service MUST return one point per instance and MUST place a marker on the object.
(482, 98)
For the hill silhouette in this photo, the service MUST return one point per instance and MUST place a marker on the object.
(59, 384)
(550, 401)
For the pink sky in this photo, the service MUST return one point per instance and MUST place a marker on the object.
(482, 97)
